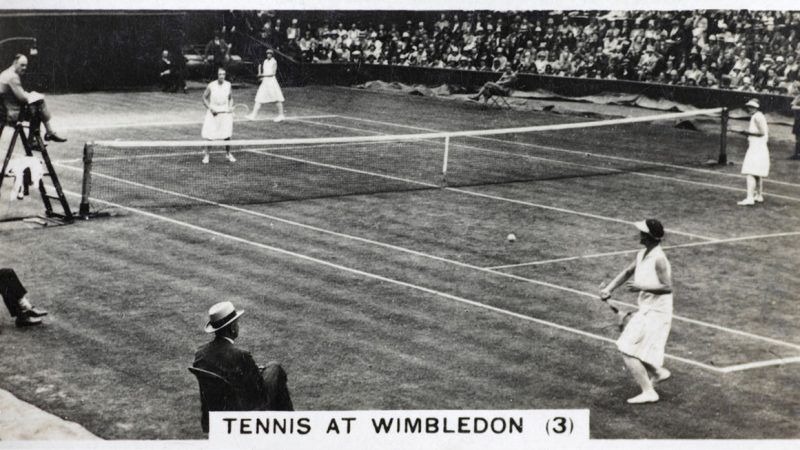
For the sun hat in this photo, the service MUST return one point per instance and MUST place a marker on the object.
(754, 103)
(652, 227)
(220, 316)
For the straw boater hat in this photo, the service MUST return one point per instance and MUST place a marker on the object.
(754, 103)
(652, 227)
(220, 316)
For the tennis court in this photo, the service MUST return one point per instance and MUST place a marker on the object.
(381, 287)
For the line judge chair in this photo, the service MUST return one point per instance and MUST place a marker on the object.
(499, 101)
(216, 394)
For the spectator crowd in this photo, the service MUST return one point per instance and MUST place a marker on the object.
(752, 51)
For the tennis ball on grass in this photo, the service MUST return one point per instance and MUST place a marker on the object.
(511, 237)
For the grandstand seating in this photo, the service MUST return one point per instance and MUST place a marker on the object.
(751, 51)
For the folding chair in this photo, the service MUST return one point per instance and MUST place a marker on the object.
(499, 101)
(216, 394)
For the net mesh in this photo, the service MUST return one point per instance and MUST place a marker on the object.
(168, 174)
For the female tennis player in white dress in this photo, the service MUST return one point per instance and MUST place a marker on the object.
(269, 91)
(644, 339)
(756, 161)
(218, 124)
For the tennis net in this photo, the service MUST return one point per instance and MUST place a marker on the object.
(169, 174)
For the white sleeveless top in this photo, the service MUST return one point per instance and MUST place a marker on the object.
(645, 273)
(219, 94)
(758, 118)
(269, 68)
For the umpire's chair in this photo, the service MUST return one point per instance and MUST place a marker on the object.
(216, 394)
(32, 142)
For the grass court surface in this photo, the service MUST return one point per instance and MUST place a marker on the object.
(379, 296)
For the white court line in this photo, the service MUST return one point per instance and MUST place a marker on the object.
(174, 123)
(666, 247)
(569, 211)
(199, 151)
(521, 202)
(588, 166)
(576, 152)
(437, 258)
(759, 364)
(386, 279)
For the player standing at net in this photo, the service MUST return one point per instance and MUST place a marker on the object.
(756, 161)
(218, 124)
(269, 91)
(644, 339)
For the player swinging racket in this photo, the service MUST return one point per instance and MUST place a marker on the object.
(643, 340)
(269, 91)
(218, 124)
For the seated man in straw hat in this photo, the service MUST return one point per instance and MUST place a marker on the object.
(255, 391)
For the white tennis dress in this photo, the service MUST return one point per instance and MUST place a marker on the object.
(756, 160)
(269, 91)
(645, 336)
(221, 125)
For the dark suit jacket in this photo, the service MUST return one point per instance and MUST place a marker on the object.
(238, 367)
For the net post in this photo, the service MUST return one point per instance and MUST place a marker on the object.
(446, 156)
(723, 138)
(88, 154)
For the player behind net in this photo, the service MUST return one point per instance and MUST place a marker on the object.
(269, 91)
(218, 124)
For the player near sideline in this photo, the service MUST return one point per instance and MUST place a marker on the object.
(269, 91)
(644, 339)
(756, 161)
(218, 124)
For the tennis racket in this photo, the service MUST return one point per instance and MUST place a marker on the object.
(240, 111)
(622, 317)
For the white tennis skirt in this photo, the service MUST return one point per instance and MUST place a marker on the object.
(269, 91)
(217, 127)
(756, 160)
(645, 336)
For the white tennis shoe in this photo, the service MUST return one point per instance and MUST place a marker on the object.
(758, 198)
(644, 397)
(747, 202)
(205, 159)
(280, 118)
(230, 158)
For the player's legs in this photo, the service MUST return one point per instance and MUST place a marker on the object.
(759, 194)
(642, 378)
(657, 374)
(280, 116)
(228, 154)
(751, 187)
(256, 107)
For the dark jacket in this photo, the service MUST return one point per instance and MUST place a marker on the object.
(238, 367)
